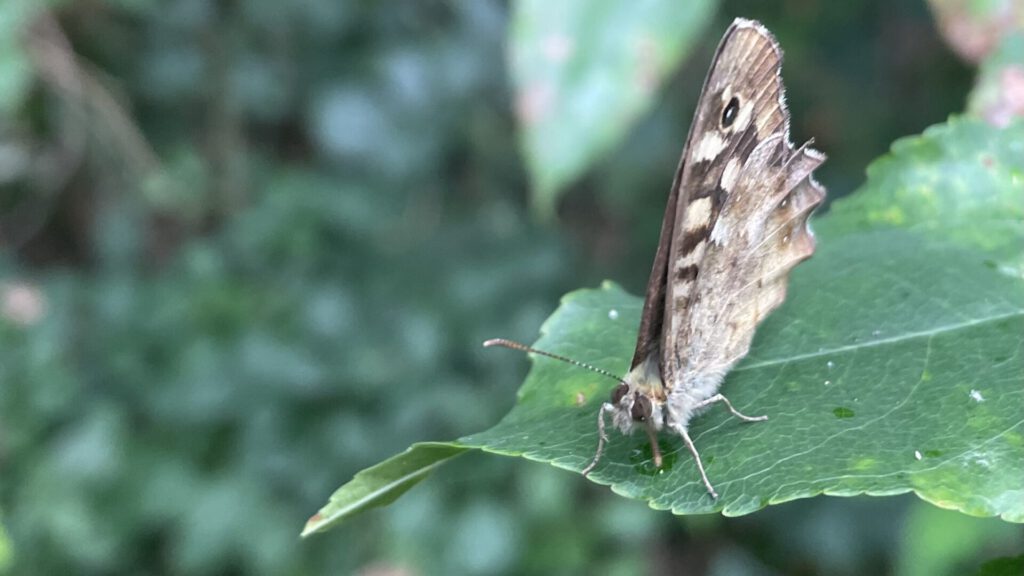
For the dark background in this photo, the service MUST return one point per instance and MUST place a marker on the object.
(250, 248)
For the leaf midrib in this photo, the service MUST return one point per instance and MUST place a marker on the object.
(880, 342)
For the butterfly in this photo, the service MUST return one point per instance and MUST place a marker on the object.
(735, 225)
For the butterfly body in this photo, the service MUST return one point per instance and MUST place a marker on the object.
(673, 406)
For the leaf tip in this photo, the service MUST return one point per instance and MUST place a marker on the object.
(312, 525)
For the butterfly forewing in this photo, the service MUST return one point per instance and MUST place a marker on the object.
(741, 199)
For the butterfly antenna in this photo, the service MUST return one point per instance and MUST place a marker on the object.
(523, 347)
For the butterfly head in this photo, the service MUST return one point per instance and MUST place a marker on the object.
(639, 399)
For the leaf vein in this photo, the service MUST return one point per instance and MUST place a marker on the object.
(881, 342)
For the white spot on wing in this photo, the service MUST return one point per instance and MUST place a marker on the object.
(691, 258)
(743, 118)
(763, 124)
(730, 174)
(698, 213)
(708, 147)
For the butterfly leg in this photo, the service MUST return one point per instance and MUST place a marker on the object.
(652, 434)
(735, 412)
(602, 437)
(696, 457)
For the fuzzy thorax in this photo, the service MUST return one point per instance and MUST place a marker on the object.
(643, 380)
(674, 407)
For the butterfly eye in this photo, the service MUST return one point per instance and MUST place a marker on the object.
(641, 408)
(619, 392)
(730, 112)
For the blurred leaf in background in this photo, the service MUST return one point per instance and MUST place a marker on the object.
(942, 542)
(583, 71)
(249, 248)
(976, 28)
(999, 94)
(989, 33)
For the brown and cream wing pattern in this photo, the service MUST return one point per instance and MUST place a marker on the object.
(740, 223)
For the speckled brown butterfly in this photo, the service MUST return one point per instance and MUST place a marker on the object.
(736, 223)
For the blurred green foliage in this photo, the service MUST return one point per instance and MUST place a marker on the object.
(252, 247)
(583, 71)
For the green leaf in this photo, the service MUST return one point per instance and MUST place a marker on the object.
(584, 71)
(381, 484)
(959, 181)
(894, 366)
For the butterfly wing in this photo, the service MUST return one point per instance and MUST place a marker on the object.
(696, 178)
(743, 195)
(648, 339)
